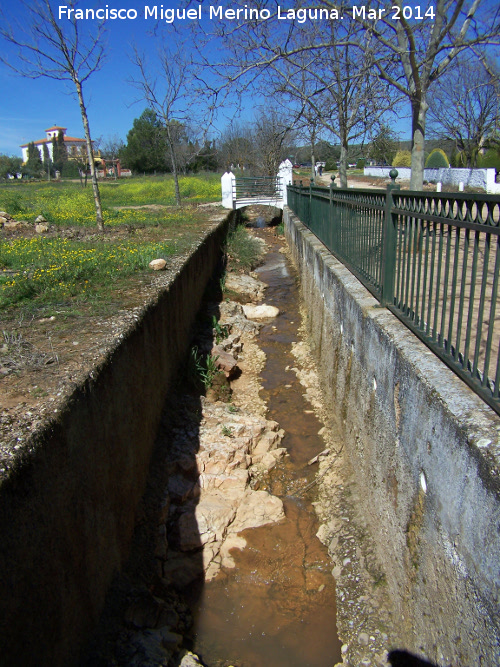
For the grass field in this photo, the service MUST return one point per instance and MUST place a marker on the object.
(73, 265)
(67, 203)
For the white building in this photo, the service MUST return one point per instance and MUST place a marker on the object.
(74, 145)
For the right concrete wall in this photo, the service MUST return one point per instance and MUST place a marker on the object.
(426, 450)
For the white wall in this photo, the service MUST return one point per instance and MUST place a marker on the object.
(475, 178)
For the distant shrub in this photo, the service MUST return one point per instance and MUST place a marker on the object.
(361, 163)
(491, 159)
(437, 159)
(330, 164)
(458, 159)
(70, 169)
(402, 159)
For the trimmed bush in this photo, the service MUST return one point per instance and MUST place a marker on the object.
(330, 164)
(360, 164)
(402, 159)
(437, 159)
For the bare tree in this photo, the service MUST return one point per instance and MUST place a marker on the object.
(323, 68)
(235, 147)
(60, 50)
(464, 107)
(383, 145)
(111, 146)
(170, 87)
(415, 46)
(423, 41)
(272, 139)
(336, 89)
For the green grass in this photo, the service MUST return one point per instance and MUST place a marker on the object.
(156, 190)
(243, 250)
(67, 203)
(49, 270)
(43, 271)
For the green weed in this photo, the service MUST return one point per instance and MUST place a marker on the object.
(221, 331)
(202, 369)
(243, 251)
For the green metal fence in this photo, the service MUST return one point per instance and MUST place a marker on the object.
(432, 258)
(256, 186)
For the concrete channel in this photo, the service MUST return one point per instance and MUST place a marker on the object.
(406, 497)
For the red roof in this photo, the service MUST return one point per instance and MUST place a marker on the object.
(49, 141)
(56, 127)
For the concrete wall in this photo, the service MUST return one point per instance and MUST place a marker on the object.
(426, 451)
(67, 511)
(474, 178)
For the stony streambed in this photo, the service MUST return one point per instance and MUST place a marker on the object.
(226, 568)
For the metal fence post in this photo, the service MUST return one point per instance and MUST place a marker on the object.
(333, 234)
(389, 244)
(310, 212)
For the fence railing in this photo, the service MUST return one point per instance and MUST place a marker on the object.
(257, 187)
(432, 258)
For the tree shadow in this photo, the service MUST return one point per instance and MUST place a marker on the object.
(147, 609)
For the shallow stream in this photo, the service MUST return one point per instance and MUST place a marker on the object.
(277, 607)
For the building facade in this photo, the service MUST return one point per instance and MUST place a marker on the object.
(74, 145)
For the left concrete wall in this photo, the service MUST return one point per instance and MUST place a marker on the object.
(67, 510)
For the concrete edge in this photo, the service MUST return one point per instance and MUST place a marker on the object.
(426, 451)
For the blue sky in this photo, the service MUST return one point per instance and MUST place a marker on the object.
(30, 106)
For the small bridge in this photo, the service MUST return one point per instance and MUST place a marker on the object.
(263, 190)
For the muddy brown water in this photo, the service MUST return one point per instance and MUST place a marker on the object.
(277, 607)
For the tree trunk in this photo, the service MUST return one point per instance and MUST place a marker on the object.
(90, 153)
(343, 163)
(174, 166)
(419, 110)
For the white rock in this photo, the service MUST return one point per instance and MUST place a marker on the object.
(267, 441)
(213, 514)
(268, 461)
(190, 660)
(256, 509)
(243, 284)
(40, 218)
(261, 312)
(157, 264)
(363, 639)
(41, 229)
(336, 572)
